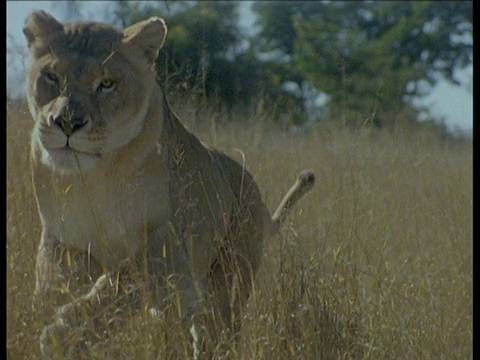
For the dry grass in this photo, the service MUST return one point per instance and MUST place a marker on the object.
(375, 263)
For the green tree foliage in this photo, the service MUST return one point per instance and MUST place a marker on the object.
(370, 57)
(203, 53)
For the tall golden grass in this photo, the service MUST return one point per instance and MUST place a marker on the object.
(375, 263)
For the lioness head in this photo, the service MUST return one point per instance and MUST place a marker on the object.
(88, 87)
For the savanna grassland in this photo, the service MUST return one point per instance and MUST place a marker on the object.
(375, 262)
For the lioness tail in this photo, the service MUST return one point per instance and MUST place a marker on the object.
(304, 184)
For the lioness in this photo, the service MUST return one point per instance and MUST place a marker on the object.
(119, 180)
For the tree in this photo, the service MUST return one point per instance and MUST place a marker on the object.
(203, 53)
(370, 57)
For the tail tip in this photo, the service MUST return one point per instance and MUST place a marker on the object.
(306, 179)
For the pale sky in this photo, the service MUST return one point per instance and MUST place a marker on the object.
(453, 103)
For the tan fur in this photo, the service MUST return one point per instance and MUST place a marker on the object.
(133, 185)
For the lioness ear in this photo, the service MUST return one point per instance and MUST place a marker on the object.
(149, 35)
(40, 25)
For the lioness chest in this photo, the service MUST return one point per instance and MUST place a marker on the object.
(109, 217)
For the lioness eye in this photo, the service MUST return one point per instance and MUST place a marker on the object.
(106, 84)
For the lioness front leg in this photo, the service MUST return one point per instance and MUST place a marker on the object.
(49, 280)
(65, 334)
(65, 284)
(178, 290)
(64, 320)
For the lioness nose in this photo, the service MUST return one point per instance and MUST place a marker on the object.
(69, 126)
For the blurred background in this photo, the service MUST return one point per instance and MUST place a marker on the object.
(347, 63)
